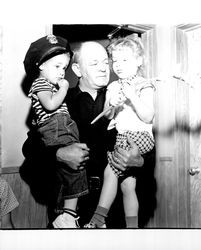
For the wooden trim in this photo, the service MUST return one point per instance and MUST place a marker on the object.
(188, 27)
(182, 153)
(141, 27)
(10, 170)
(165, 158)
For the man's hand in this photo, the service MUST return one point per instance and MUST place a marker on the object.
(122, 159)
(75, 155)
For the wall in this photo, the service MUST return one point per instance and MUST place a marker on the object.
(14, 110)
(15, 105)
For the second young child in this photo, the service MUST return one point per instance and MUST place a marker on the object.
(131, 97)
(46, 61)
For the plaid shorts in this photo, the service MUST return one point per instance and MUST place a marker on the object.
(142, 139)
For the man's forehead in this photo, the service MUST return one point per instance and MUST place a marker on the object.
(93, 51)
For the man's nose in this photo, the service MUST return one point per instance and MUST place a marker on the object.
(103, 66)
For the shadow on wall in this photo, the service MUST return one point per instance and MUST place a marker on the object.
(181, 126)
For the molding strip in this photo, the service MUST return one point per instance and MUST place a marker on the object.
(10, 170)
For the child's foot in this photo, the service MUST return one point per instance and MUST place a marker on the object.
(93, 225)
(68, 219)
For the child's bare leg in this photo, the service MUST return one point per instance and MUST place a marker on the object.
(108, 194)
(130, 202)
(109, 189)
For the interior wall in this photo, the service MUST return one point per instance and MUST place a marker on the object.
(15, 104)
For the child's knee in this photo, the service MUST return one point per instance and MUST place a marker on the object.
(128, 185)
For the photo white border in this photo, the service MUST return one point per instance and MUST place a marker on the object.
(169, 12)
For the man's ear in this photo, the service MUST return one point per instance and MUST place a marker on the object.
(76, 69)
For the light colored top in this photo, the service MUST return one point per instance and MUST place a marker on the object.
(126, 119)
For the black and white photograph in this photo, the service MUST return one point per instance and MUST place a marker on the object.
(100, 134)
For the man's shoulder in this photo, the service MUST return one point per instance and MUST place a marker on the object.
(71, 91)
(75, 89)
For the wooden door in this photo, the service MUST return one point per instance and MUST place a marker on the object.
(189, 58)
(178, 134)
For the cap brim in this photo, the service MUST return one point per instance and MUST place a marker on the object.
(52, 52)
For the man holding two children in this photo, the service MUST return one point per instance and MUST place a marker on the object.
(85, 102)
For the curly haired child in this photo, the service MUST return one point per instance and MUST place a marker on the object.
(131, 97)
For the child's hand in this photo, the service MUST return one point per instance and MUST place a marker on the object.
(63, 83)
(117, 100)
(129, 91)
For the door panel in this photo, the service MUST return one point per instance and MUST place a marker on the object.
(195, 179)
(191, 70)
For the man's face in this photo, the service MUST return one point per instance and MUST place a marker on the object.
(94, 66)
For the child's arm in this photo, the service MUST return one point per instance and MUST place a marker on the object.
(113, 98)
(143, 105)
(111, 112)
(51, 102)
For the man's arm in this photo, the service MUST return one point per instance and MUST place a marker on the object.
(75, 155)
(122, 159)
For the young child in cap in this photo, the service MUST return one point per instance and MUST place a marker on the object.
(46, 62)
(131, 97)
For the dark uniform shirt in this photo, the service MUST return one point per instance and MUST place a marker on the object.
(83, 109)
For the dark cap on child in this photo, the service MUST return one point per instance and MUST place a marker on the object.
(43, 49)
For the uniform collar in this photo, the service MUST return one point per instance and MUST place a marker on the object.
(79, 91)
